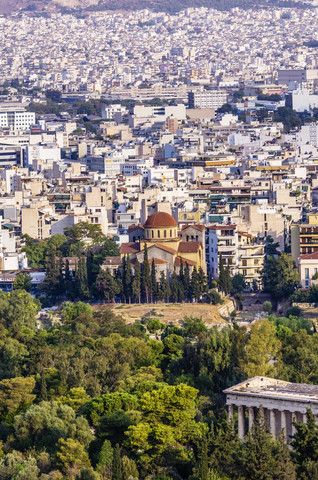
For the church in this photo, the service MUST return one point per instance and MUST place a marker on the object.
(165, 245)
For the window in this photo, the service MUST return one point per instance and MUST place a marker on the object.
(158, 233)
(165, 233)
(151, 233)
(306, 272)
(170, 233)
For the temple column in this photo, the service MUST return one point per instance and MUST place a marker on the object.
(283, 424)
(294, 419)
(231, 412)
(272, 422)
(304, 417)
(250, 417)
(241, 422)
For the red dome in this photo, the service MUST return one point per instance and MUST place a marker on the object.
(160, 219)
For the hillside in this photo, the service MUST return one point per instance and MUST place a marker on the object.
(169, 6)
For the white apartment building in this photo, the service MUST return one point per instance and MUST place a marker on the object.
(221, 240)
(308, 135)
(15, 117)
(207, 99)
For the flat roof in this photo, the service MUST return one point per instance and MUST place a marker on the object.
(273, 388)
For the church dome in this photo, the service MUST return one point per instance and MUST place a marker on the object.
(160, 220)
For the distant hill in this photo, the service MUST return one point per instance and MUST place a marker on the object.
(169, 6)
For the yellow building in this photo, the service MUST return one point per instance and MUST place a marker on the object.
(250, 258)
(160, 234)
(304, 237)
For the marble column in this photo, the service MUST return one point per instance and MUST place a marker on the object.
(241, 422)
(250, 417)
(231, 412)
(283, 423)
(304, 417)
(294, 419)
(272, 422)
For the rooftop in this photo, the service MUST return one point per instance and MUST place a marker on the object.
(273, 388)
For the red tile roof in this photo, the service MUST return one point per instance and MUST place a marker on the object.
(130, 247)
(189, 247)
(177, 262)
(160, 219)
(134, 227)
(309, 256)
(198, 227)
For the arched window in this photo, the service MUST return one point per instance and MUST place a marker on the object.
(158, 233)
(165, 233)
(187, 238)
(170, 233)
(197, 238)
(151, 233)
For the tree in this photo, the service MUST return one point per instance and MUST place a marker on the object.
(267, 307)
(51, 284)
(186, 281)
(81, 282)
(153, 281)
(127, 278)
(42, 425)
(174, 287)
(71, 456)
(164, 288)
(145, 278)
(18, 467)
(224, 279)
(238, 283)
(107, 286)
(130, 470)
(136, 284)
(280, 276)
(18, 309)
(262, 349)
(105, 459)
(195, 289)
(305, 445)
(117, 473)
(258, 458)
(285, 468)
(203, 470)
(15, 393)
(22, 282)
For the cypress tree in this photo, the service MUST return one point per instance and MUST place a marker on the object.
(228, 280)
(181, 295)
(81, 282)
(222, 277)
(136, 284)
(153, 281)
(123, 277)
(174, 287)
(203, 470)
(127, 279)
(285, 469)
(195, 290)
(52, 274)
(258, 458)
(117, 473)
(187, 281)
(145, 278)
(68, 282)
(203, 281)
(43, 387)
(164, 288)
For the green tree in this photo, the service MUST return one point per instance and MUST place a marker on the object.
(145, 277)
(107, 285)
(42, 425)
(174, 286)
(153, 281)
(305, 445)
(262, 349)
(195, 288)
(136, 284)
(203, 470)
(224, 279)
(105, 459)
(284, 468)
(71, 456)
(130, 470)
(51, 284)
(186, 281)
(22, 282)
(280, 276)
(127, 278)
(117, 470)
(238, 283)
(81, 281)
(15, 393)
(258, 459)
(164, 291)
(16, 466)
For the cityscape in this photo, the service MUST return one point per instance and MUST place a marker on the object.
(158, 241)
